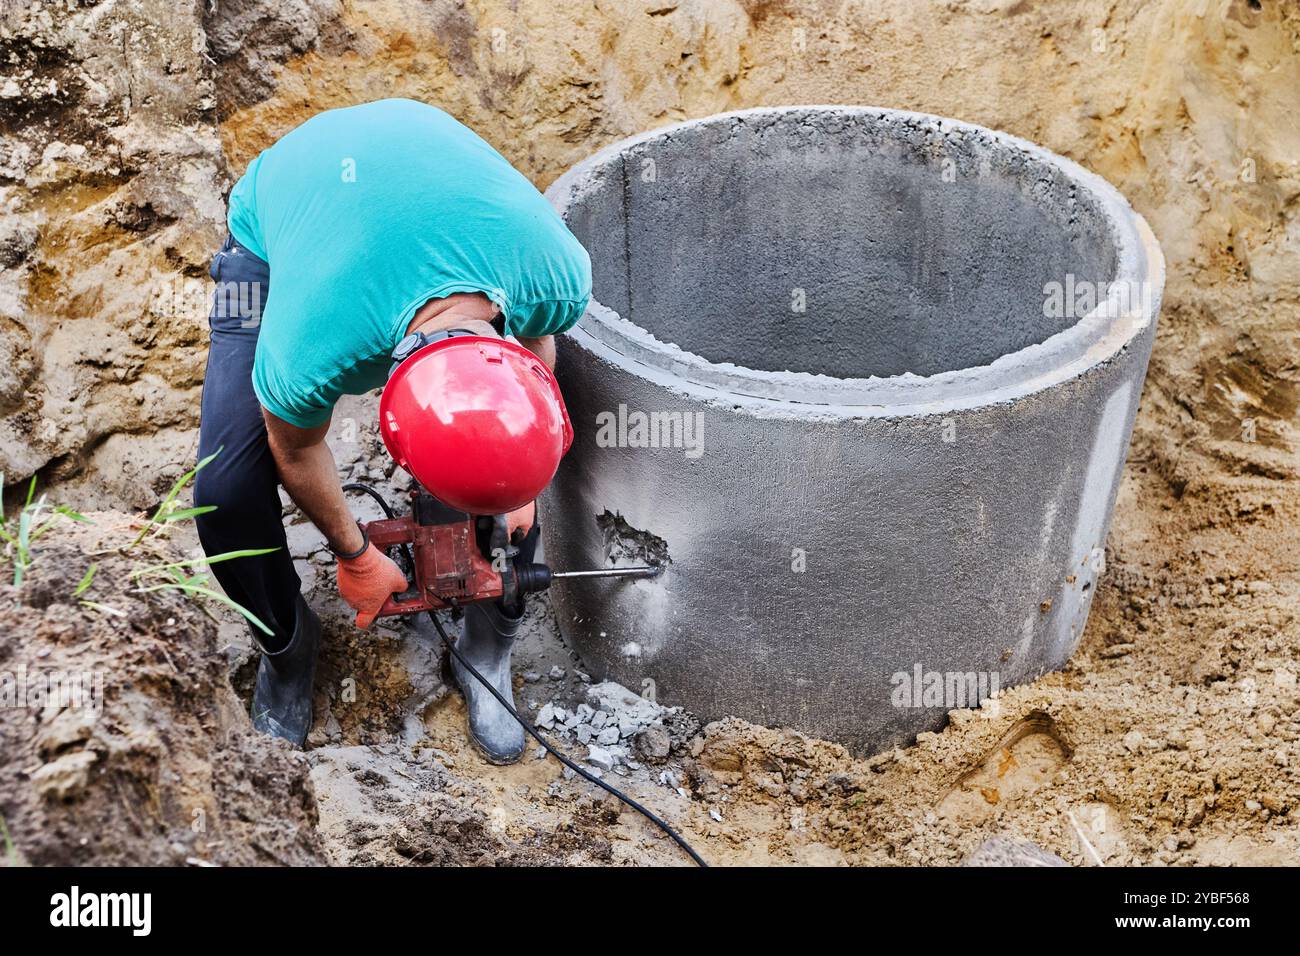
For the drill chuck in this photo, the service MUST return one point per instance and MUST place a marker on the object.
(532, 577)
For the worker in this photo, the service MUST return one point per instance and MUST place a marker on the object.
(379, 222)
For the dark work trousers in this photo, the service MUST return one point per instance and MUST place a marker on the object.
(242, 480)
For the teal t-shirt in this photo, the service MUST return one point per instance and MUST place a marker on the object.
(366, 213)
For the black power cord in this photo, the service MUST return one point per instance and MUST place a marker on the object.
(532, 731)
(379, 499)
(645, 812)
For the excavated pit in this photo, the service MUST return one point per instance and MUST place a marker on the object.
(870, 377)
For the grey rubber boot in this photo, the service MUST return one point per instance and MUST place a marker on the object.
(282, 695)
(487, 638)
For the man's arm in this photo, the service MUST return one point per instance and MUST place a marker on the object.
(310, 475)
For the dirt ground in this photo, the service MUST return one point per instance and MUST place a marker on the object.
(1170, 739)
(157, 763)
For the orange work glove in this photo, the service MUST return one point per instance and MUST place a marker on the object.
(367, 581)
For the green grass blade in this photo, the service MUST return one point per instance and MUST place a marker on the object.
(43, 527)
(10, 852)
(85, 580)
(229, 555)
(115, 612)
(209, 593)
(24, 527)
(188, 513)
(225, 556)
(181, 482)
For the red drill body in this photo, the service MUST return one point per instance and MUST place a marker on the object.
(452, 559)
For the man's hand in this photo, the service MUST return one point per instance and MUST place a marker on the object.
(521, 519)
(366, 582)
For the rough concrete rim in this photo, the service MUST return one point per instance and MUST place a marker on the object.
(1089, 342)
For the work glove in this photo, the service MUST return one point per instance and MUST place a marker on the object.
(367, 581)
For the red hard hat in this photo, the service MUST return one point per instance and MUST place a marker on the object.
(478, 421)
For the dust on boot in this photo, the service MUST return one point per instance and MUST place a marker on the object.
(487, 639)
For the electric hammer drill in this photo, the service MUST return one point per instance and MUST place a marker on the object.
(452, 558)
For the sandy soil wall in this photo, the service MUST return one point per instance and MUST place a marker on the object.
(123, 126)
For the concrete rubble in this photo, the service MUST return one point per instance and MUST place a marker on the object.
(620, 729)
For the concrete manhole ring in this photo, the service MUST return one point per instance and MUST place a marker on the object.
(863, 380)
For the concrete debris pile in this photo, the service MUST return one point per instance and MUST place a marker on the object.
(620, 729)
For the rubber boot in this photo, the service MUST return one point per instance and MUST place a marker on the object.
(282, 696)
(487, 638)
